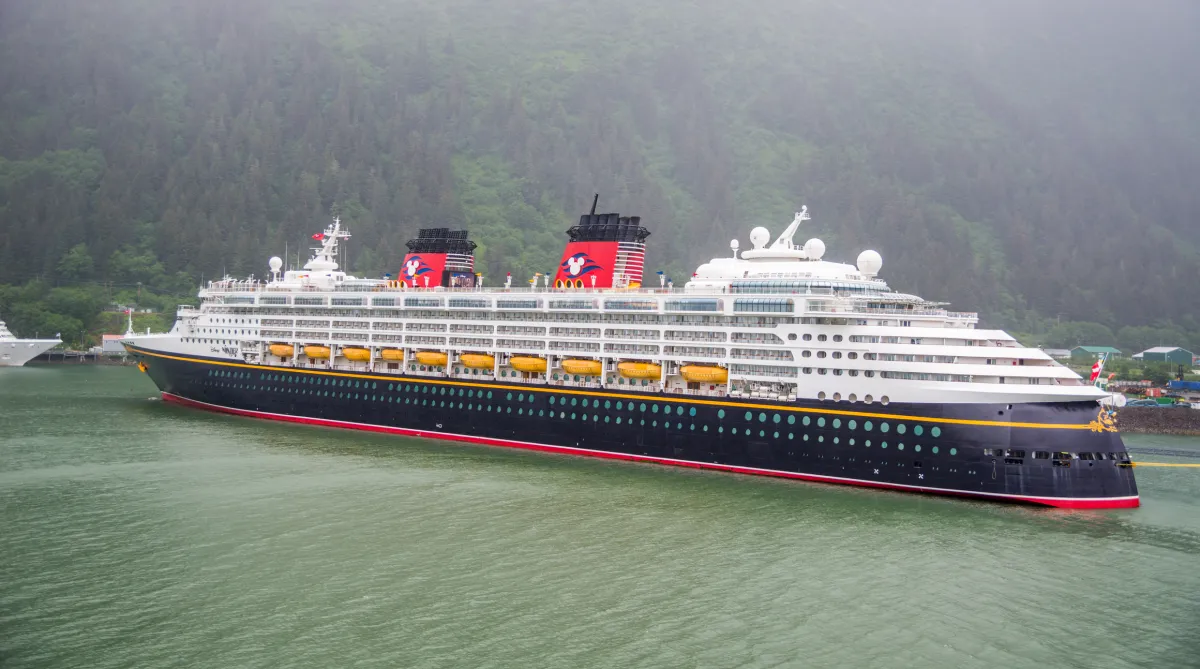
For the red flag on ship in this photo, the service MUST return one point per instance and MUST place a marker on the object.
(1097, 368)
(319, 236)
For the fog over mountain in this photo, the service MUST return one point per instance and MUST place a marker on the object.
(1037, 161)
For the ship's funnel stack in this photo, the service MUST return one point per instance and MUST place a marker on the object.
(605, 251)
(439, 257)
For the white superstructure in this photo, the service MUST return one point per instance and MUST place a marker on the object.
(16, 352)
(776, 321)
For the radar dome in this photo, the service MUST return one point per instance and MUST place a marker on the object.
(814, 249)
(869, 262)
(759, 237)
(275, 263)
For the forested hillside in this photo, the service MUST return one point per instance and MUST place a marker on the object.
(1035, 161)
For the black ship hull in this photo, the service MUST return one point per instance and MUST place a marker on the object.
(1054, 454)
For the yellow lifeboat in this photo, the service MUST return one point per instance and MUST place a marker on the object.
(392, 354)
(431, 358)
(584, 367)
(524, 363)
(356, 354)
(477, 361)
(283, 350)
(704, 374)
(639, 370)
(316, 352)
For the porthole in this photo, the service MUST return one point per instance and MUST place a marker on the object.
(790, 435)
(884, 427)
(900, 447)
(807, 420)
(901, 428)
(618, 420)
(954, 451)
(852, 397)
(822, 337)
(806, 437)
(853, 425)
(837, 397)
(821, 438)
(884, 400)
(619, 406)
(692, 411)
(733, 430)
(666, 409)
(720, 413)
(821, 395)
(574, 401)
(653, 408)
(918, 430)
(776, 435)
(642, 408)
(851, 442)
(807, 337)
(917, 448)
(883, 444)
(762, 417)
(934, 449)
(821, 422)
(867, 426)
(936, 432)
(837, 422)
(837, 337)
(607, 404)
(867, 399)
(749, 415)
(762, 433)
(552, 399)
(776, 419)
(791, 420)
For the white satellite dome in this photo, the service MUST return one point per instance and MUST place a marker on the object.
(869, 262)
(275, 263)
(759, 237)
(814, 249)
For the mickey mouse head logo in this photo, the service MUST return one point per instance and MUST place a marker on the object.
(575, 265)
(411, 267)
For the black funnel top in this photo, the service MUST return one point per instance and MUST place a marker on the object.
(441, 240)
(595, 227)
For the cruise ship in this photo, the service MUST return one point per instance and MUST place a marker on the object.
(16, 352)
(769, 361)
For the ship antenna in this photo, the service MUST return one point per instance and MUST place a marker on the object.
(594, 201)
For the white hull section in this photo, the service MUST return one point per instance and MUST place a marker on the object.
(17, 352)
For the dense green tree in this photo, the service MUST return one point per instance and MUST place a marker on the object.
(76, 265)
(1072, 334)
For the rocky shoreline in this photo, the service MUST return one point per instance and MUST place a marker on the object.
(1154, 420)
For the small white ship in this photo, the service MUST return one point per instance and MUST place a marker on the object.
(16, 352)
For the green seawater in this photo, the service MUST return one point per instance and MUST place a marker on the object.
(139, 534)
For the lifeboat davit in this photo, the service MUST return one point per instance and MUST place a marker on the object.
(525, 363)
(356, 354)
(584, 367)
(477, 361)
(431, 358)
(704, 374)
(283, 350)
(316, 352)
(393, 354)
(639, 370)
